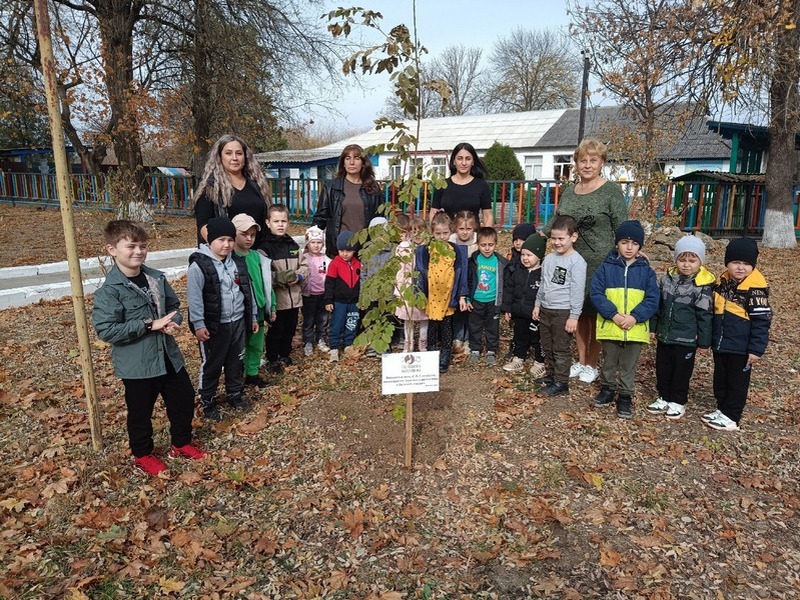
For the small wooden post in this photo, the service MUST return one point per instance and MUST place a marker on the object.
(68, 223)
(409, 426)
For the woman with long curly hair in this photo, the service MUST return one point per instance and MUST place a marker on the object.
(350, 200)
(232, 184)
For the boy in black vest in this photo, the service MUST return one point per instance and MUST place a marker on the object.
(221, 305)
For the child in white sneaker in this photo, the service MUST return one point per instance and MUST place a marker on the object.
(315, 317)
(519, 297)
(681, 325)
(740, 331)
(412, 235)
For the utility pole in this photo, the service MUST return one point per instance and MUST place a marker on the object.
(584, 95)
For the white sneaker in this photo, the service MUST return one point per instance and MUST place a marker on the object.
(538, 370)
(516, 364)
(710, 416)
(659, 406)
(575, 370)
(674, 411)
(458, 345)
(322, 346)
(588, 374)
(308, 348)
(722, 423)
(334, 356)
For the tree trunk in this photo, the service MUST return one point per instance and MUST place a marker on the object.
(116, 21)
(202, 96)
(783, 126)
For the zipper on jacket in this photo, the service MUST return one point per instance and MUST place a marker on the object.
(625, 299)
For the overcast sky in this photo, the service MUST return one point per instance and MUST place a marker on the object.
(443, 23)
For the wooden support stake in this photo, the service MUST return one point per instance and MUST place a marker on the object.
(409, 426)
(65, 199)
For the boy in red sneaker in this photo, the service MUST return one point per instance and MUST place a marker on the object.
(136, 311)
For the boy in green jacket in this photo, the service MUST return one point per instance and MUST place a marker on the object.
(136, 311)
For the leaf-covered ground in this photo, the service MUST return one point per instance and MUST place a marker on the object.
(510, 495)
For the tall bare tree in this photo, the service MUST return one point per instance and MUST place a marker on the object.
(532, 70)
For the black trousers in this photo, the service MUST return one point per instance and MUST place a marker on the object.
(315, 318)
(674, 368)
(731, 382)
(440, 337)
(279, 336)
(223, 350)
(140, 397)
(526, 336)
(484, 320)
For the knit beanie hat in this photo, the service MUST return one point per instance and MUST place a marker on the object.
(630, 230)
(523, 231)
(343, 241)
(377, 221)
(218, 227)
(535, 243)
(314, 233)
(743, 249)
(693, 244)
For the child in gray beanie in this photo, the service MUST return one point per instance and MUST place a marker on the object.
(681, 325)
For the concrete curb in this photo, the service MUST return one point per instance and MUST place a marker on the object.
(86, 264)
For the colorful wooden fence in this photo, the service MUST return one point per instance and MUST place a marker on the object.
(713, 207)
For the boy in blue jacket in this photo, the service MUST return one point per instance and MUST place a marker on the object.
(624, 290)
(136, 311)
(740, 331)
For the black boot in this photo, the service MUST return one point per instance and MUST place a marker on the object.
(604, 397)
(444, 359)
(555, 389)
(624, 407)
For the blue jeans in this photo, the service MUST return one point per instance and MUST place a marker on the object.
(344, 324)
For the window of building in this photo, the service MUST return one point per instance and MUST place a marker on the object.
(439, 165)
(533, 167)
(562, 166)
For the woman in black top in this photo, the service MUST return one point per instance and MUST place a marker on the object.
(466, 188)
(233, 183)
(349, 201)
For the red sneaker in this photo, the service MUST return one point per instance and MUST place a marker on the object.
(188, 451)
(150, 464)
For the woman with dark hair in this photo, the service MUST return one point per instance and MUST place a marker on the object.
(350, 200)
(599, 207)
(232, 184)
(466, 188)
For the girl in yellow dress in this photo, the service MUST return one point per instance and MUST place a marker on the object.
(442, 267)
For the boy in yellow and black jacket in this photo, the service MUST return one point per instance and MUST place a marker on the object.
(740, 331)
(624, 290)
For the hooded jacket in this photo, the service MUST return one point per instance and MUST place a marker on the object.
(684, 312)
(618, 287)
(343, 281)
(120, 308)
(218, 291)
(329, 211)
(285, 255)
(742, 315)
(520, 289)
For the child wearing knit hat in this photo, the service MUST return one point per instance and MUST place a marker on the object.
(624, 289)
(740, 331)
(519, 298)
(681, 325)
(315, 317)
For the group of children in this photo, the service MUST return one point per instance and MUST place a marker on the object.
(244, 302)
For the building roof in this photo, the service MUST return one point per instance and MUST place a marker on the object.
(697, 142)
(299, 156)
(722, 177)
(518, 130)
